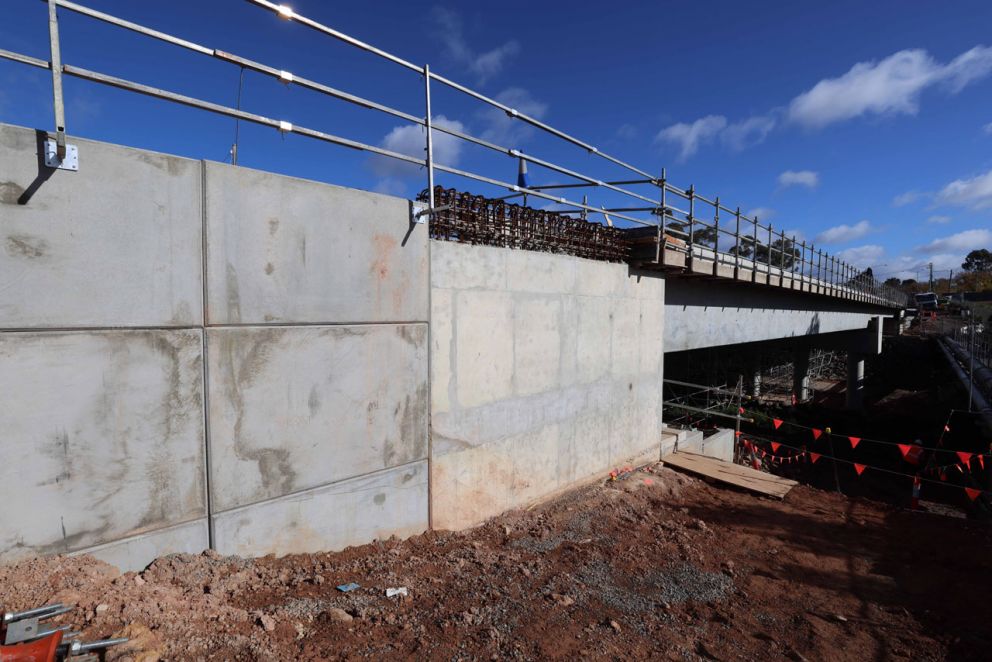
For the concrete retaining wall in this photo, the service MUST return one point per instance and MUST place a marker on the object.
(190, 346)
(545, 369)
(195, 354)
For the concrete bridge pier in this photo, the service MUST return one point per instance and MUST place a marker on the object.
(855, 380)
(800, 372)
(867, 343)
(756, 382)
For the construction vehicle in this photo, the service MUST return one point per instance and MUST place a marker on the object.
(26, 638)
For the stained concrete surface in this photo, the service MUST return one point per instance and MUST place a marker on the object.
(116, 244)
(317, 386)
(292, 408)
(102, 436)
(351, 512)
(281, 249)
(138, 551)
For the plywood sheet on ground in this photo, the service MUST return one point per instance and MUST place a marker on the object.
(732, 474)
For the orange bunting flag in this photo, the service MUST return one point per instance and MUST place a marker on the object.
(972, 493)
(817, 433)
(904, 449)
(854, 441)
(740, 410)
(813, 457)
(775, 446)
(981, 462)
(777, 422)
(965, 457)
(860, 468)
(737, 433)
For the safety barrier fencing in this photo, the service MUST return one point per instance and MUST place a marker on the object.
(696, 229)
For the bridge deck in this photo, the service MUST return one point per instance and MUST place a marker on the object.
(700, 261)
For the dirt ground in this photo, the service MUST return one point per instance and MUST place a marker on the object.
(659, 565)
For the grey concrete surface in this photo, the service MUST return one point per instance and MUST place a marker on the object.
(315, 369)
(719, 445)
(281, 249)
(116, 244)
(351, 512)
(710, 313)
(545, 369)
(292, 408)
(135, 553)
(102, 437)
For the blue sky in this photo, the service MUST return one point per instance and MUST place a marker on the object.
(864, 127)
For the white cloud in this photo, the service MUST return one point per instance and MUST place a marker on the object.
(907, 198)
(627, 132)
(505, 130)
(988, 128)
(410, 139)
(889, 86)
(391, 186)
(485, 65)
(806, 178)
(841, 234)
(938, 219)
(862, 256)
(960, 242)
(975, 192)
(737, 135)
(748, 133)
(690, 136)
(797, 235)
(764, 214)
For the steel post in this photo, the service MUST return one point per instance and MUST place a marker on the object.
(430, 138)
(53, 35)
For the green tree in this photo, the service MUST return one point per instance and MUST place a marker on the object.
(979, 259)
(784, 253)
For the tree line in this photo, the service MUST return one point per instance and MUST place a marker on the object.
(975, 276)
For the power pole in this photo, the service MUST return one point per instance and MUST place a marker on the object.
(971, 364)
(931, 276)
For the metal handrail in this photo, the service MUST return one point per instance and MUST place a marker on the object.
(754, 243)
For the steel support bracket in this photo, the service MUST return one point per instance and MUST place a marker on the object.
(419, 212)
(52, 160)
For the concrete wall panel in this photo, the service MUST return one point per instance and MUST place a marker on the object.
(545, 372)
(292, 408)
(352, 512)
(102, 437)
(116, 244)
(288, 250)
(134, 554)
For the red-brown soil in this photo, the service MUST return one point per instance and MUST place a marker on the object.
(674, 569)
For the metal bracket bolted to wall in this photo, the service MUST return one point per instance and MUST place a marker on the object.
(69, 162)
(420, 211)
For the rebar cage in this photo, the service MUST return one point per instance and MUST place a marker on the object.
(475, 219)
